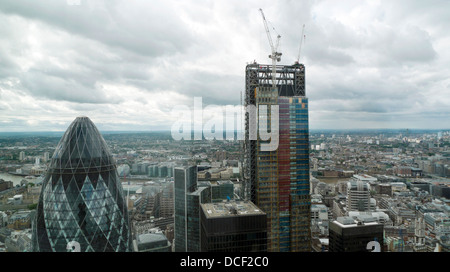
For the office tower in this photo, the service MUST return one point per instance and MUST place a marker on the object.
(167, 200)
(46, 156)
(22, 155)
(233, 226)
(419, 226)
(353, 235)
(82, 199)
(277, 181)
(188, 197)
(220, 190)
(358, 196)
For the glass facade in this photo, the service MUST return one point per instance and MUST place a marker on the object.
(82, 198)
(282, 188)
(293, 174)
(188, 197)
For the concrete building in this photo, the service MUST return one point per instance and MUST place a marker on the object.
(46, 156)
(364, 178)
(5, 185)
(384, 189)
(419, 237)
(19, 241)
(154, 241)
(379, 217)
(358, 195)
(20, 220)
(167, 200)
(435, 219)
(3, 219)
(15, 200)
(22, 155)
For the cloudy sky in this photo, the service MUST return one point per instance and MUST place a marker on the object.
(128, 64)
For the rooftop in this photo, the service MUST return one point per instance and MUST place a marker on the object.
(348, 222)
(151, 238)
(231, 208)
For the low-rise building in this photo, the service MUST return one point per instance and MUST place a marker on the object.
(154, 241)
(20, 220)
(19, 241)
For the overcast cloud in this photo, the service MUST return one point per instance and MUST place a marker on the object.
(127, 64)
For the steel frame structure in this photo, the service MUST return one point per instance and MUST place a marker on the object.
(290, 81)
(259, 176)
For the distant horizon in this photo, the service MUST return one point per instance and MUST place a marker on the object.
(9, 133)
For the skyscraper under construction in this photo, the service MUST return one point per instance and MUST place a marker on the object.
(277, 181)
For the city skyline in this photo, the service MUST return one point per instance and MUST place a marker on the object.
(377, 64)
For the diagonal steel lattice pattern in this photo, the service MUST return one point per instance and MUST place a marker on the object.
(82, 198)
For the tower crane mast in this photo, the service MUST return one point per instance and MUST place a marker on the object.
(301, 42)
(275, 56)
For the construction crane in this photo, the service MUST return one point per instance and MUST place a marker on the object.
(301, 42)
(275, 56)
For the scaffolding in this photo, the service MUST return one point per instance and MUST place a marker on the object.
(290, 81)
(268, 181)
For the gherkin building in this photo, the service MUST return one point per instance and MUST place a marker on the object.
(81, 201)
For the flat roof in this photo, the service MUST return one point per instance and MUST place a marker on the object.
(348, 222)
(151, 238)
(231, 208)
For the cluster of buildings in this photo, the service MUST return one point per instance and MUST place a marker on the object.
(15, 230)
(297, 192)
(211, 217)
(401, 216)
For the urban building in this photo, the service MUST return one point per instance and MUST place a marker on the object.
(3, 219)
(82, 199)
(19, 241)
(46, 156)
(20, 220)
(5, 185)
(358, 195)
(152, 242)
(233, 226)
(15, 200)
(188, 197)
(22, 155)
(352, 235)
(220, 190)
(167, 200)
(441, 190)
(276, 179)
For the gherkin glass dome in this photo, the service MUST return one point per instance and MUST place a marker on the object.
(82, 199)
